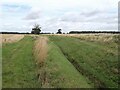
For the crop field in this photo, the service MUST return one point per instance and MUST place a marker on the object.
(60, 61)
(9, 38)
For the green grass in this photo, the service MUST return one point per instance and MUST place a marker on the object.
(19, 69)
(60, 73)
(70, 63)
(94, 60)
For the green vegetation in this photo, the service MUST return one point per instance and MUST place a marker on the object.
(66, 62)
(18, 65)
(96, 61)
(36, 29)
(60, 73)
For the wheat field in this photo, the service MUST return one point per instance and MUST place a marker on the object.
(9, 38)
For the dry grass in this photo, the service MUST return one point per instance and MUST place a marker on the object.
(9, 38)
(40, 50)
(40, 53)
(94, 37)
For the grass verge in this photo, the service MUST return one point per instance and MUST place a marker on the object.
(19, 65)
(58, 72)
(96, 61)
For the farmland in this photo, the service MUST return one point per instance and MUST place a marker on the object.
(60, 61)
(11, 38)
(18, 64)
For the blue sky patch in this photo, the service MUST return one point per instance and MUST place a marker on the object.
(15, 8)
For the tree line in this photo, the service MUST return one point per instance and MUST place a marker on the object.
(84, 32)
(71, 32)
(37, 30)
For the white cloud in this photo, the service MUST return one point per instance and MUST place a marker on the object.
(33, 14)
(53, 4)
(90, 16)
(94, 20)
(65, 14)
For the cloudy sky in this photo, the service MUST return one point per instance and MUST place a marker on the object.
(69, 15)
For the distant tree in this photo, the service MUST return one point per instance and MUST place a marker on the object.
(36, 29)
(59, 31)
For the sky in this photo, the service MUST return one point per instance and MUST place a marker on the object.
(51, 15)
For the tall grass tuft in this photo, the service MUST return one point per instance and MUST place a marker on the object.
(40, 53)
(40, 50)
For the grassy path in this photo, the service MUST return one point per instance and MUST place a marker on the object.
(97, 62)
(60, 73)
(18, 65)
(70, 63)
(20, 71)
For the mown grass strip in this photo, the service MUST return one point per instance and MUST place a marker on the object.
(58, 72)
(19, 65)
(91, 59)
